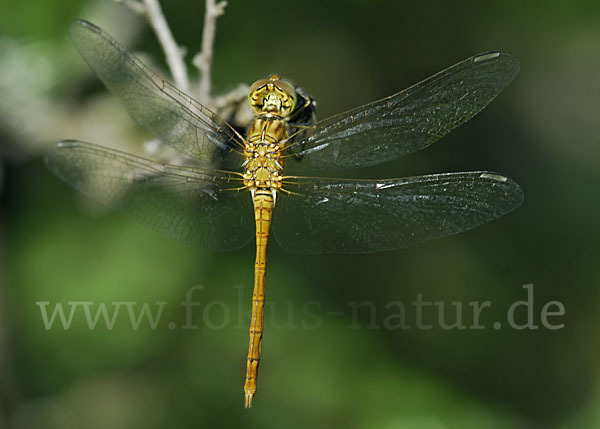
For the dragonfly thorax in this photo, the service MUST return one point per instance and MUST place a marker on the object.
(264, 163)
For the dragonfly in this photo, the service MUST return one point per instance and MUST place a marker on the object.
(241, 187)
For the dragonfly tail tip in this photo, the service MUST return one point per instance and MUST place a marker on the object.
(249, 397)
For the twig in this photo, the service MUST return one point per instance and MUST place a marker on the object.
(134, 5)
(232, 105)
(203, 60)
(226, 104)
(173, 52)
(234, 96)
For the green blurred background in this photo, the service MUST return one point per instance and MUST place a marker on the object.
(339, 369)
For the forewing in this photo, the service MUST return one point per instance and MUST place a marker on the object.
(364, 216)
(158, 106)
(196, 206)
(408, 121)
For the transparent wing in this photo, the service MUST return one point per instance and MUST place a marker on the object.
(364, 216)
(158, 106)
(192, 205)
(408, 121)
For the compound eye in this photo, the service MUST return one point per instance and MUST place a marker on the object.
(256, 86)
(290, 97)
(286, 88)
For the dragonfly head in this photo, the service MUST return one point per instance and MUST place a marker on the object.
(272, 96)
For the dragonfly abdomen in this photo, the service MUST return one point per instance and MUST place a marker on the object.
(263, 212)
